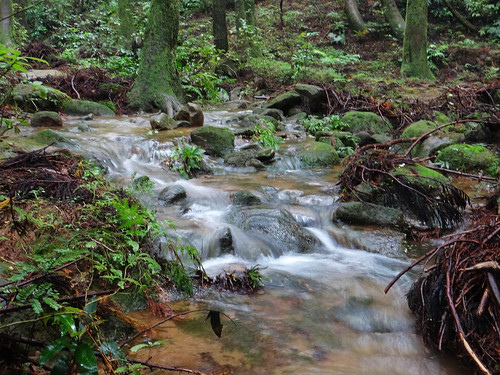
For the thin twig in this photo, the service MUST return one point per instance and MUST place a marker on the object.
(469, 175)
(162, 367)
(73, 85)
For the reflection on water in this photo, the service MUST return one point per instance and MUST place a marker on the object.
(323, 313)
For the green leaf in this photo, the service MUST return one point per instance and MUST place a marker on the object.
(51, 303)
(91, 306)
(86, 360)
(136, 348)
(54, 348)
(66, 324)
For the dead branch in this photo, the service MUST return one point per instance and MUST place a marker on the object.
(162, 367)
(463, 174)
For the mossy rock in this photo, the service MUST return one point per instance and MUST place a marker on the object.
(423, 175)
(469, 158)
(214, 140)
(46, 118)
(246, 198)
(34, 97)
(162, 121)
(84, 107)
(240, 158)
(285, 101)
(368, 122)
(360, 213)
(418, 128)
(49, 136)
(318, 154)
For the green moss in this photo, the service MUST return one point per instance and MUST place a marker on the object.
(84, 107)
(469, 158)
(418, 128)
(417, 172)
(319, 154)
(366, 121)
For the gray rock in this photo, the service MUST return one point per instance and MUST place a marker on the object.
(275, 113)
(266, 155)
(276, 227)
(360, 213)
(191, 113)
(285, 101)
(46, 118)
(172, 194)
(240, 158)
(162, 121)
(214, 140)
(313, 97)
(35, 97)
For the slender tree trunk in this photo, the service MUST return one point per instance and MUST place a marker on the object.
(219, 24)
(126, 21)
(158, 85)
(5, 11)
(460, 18)
(394, 18)
(352, 12)
(415, 62)
(245, 11)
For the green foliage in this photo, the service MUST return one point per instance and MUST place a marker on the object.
(265, 134)
(187, 159)
(255, 276)
(313, 124)
(437, 56)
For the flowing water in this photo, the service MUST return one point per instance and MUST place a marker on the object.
(324, 312)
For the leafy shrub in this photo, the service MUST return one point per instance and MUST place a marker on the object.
(186, 159)
(313, 124)
(265, 134)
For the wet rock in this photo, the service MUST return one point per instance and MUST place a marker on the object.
(34, 97)
(266, 155)
(246, 198)
(275, 113)
(240, 158)
(276, 227)
(318, 154)
(313, 97)
(173, 194)
(360, 213)
(368, 122)
(236, 103)
(192, 114)
(214, 140)
(162, 121)
(46, 118)
(285, 101)
(221, 243)
(469, 158)
(84, 107)
(49, 136)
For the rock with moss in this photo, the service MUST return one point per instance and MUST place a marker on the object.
(49, 136)
(275, 113)
(84, 107)
(162, 121)
(361, 213)
(240, 158)
(318, 154)
(313, 97)
(368, 122)
(173, 194)
(434, 142)
(214, 140)
(285, 101)
(35, 97)
(246, 198)
(191, 114)
(469, 158)
(46, 118)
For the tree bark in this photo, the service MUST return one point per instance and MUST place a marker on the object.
(394, 18)
(245, 11)
(5, 11)
(219, 24)
(415, 62)
(352, 12)
(460, 18)
(126, 21)
(158, 85)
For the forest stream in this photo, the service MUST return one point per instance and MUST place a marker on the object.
(324, 312)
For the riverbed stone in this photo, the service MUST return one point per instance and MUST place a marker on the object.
(361, 213)
(246, 198)
(49, 136)
(275, 113)
(313, 97)
(173, 194)
(46, 118)
(192, 114)
(318, 154)
(276, 227)
(77, 107)
(214, 140)
(34, 97)
(266, 155)
(366, 121)
(469, 158)
(240, 158)
(162, 121)
(221, 243)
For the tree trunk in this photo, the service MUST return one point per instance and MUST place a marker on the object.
(219, 24)
(126, 21)
(5, 12)
(245, 11)
(415, 62)
(352, 12)
(158, 85)
(394, 18)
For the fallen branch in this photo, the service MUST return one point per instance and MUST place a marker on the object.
(162, 367)
(468, 175)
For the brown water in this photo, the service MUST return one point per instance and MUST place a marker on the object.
(322, 313)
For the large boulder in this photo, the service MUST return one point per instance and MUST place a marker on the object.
(276, 227)
(173, 194)
(49, 136)
(46, 118)
(319, 154)
(162, 121)
(285, 101)
(191, 114)
(469, 158)
(368, 122)
(34, 97)
(313, 97)
(84, 107)
(246, 198)
(214, 140)
(361, 213)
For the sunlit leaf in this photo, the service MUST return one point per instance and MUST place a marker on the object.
(86, 360)
(54, 348)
